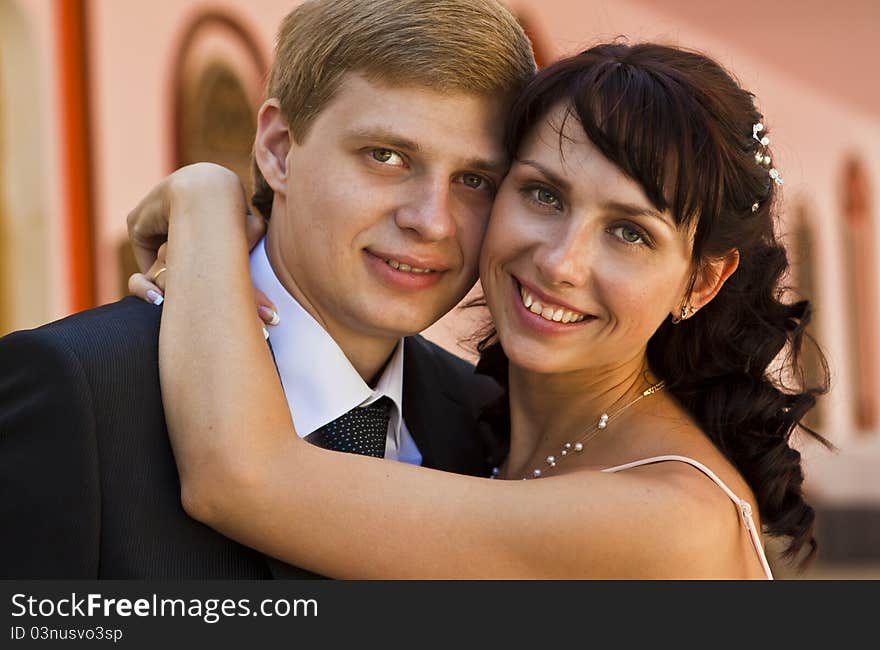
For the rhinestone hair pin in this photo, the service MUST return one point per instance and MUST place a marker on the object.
(762, 157)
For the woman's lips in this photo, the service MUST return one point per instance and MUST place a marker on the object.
(543, 314)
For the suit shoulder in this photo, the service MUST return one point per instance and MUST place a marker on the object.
(128, 326)
(130, 316)
(454, 374)
(440, 355)
(441, 359)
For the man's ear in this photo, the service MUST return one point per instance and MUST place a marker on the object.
(272, 144)
(711, 277)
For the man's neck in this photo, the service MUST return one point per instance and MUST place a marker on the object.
(368, 354)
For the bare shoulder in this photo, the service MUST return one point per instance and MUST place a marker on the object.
(699, 521)
(669, 431)
(687, 527)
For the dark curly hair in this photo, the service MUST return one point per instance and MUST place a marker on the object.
(678, 124)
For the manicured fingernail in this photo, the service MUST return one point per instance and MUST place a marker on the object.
(155, 297)
(265, 333)
(270, 316)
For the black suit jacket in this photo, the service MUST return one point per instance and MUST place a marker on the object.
(88, 483)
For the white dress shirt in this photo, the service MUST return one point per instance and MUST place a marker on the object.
(318, 379)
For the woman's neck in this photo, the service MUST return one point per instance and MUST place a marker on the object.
(546, 411)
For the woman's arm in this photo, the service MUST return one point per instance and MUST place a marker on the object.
(148, 228)
(247, 474)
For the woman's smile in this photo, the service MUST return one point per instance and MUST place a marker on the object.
(574, 249)
(543, 314)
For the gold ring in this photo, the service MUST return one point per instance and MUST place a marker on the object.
(158, 273)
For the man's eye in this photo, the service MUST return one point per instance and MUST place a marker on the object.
(386, 156)
(473, 181)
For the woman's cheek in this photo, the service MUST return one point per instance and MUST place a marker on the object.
(648, 304)
(506, 238)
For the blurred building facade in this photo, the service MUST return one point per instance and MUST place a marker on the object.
(99, 99)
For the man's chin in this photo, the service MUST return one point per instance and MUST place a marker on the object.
(397, 323)
(400, 328)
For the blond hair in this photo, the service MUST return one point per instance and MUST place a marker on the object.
(471, 46)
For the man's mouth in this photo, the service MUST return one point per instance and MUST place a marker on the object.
(406, 268)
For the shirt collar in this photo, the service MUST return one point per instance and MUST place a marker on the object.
(318, 379)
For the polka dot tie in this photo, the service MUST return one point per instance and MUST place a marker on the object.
(363, 430)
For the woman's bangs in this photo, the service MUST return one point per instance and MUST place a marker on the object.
(646, 128)
(645, 123)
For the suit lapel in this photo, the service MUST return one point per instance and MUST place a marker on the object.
(442, 428)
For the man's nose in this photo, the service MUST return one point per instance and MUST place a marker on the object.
(427, 210)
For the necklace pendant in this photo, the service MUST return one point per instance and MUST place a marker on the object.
(578, 447)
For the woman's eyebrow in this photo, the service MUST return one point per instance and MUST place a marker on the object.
(557, 180)
(633, 210)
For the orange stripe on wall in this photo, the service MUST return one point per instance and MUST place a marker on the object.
(76, 152)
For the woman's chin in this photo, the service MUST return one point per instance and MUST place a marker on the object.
(533, 357)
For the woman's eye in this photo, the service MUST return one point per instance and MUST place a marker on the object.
(386, 156)
(545, 197)
(629, 234)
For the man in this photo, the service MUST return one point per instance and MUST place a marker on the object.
(377, 155)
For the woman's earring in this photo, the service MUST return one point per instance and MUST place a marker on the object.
(685, 312)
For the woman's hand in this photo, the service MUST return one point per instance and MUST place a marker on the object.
(148, 227)
(150, 286)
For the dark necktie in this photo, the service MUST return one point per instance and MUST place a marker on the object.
(363, 430)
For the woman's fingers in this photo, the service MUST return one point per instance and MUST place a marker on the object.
(150, 287)
(156, 273)
(255, 228)
(139, 285)
(266, 310)
(148, 225)
(148, 222)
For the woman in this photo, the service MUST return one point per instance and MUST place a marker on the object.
(631, 269)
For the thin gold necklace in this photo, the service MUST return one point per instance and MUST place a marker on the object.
(577, 445)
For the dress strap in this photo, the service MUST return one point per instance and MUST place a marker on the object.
(745, 509)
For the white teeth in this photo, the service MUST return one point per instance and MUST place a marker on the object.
(555, 314)
(406, 268)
